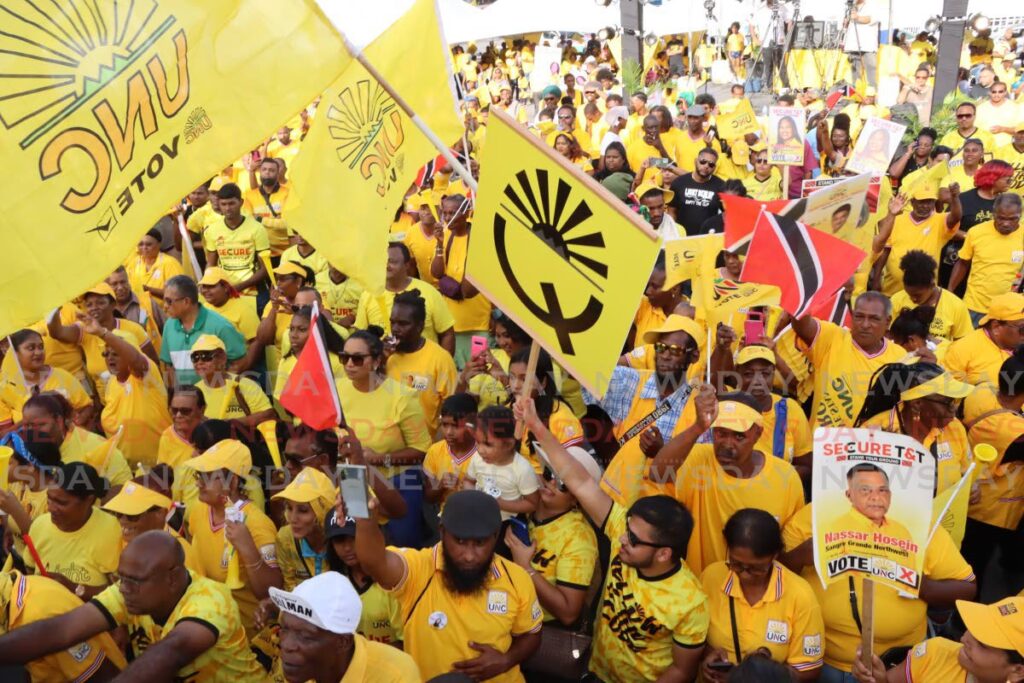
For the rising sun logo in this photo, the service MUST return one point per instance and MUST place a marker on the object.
(55, 55)
(357, 117)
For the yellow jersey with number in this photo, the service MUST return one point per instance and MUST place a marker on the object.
(565, 551)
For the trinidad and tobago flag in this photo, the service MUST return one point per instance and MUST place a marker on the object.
(740, 215)
(807, 265)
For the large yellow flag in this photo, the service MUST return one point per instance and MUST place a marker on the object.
(363, 152)
(557, 252)
(718, 298)
(111, 111)
(683, 257)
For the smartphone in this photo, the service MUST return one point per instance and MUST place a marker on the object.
(477, 345)
(659, 162)
(721, 666)
(352, 481)
(521, 531)
(753, 328)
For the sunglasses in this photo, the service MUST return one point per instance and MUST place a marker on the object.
(760, 161)
(550, 476)
(673, 349)
(202, 356)
(181, 411)
(965, 116)
(706, 162)
(357, 359)
(635, 541)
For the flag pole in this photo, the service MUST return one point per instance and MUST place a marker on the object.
(445, 150)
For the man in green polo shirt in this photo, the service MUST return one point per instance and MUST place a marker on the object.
(187, 320)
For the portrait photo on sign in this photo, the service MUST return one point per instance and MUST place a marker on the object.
(872, 493)
(786, 136)
(875, 146)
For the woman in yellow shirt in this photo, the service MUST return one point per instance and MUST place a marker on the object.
(566, 145)
(150, 269)
(135, 400)
(756, 604)
(386, 417)
(78, 543)
(921, 401)
(35, 376)
(298, 333)
(734, 45)
(301, 543)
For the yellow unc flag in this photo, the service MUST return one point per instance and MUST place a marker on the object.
(111, 111)
(739, 122)
(683, 257)
(557, 252)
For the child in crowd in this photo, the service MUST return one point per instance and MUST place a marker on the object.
(446, 460)
(497, 469)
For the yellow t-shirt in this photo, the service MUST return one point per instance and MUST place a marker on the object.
(734, 42)
(765, 190)
(139, 407)
(1010, 155)
(264, 210)
(842, 374)
(381, 619)
(201, 218)
(386, 419)
(640, 620)
(904, 620)
(212, 549)
(380, 663)
(237, 249)
(713, 495)
(30, 599)
(687, 149)
(93, 348)
(431, 373)
(208, 602)
(1006, 114)
(955, 141)
(173, 450)
(439, 624)
(786, 620)
(929, 236)
(422, 247)
(81, 445)
(251, 392)
(975, 358)
(474, 313)
(316, 262)
(341, 298)
(797, 440)
(949, 445)
(996, 260)
(240, 312)
(88, 556)
(440, 461)
(140, 274)
(294, 567)
(375, 309)
(936, 659)
(958, 175)
(647, 318)
(999, 484)
(952, 318)
(639, 151)
(565, 551)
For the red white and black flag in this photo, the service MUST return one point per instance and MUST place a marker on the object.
(807, 265)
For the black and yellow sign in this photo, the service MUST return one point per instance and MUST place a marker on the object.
(556, 252)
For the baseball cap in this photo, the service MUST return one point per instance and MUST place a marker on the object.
(328, 601)
(213, 275)
(736, 416)
(308, 485)
(471, 514)
(999, 625)
(925, 190)
(231, 455)
(645, 187)
(943, 385)
(584, 458)
(134, 499)
(551, 91)
(616, 113)
(208, 342)
(592, 86)
(696, 110)
(1007, 307)
(332, 529)
(290, 268)
(102, 288)
(754, 352)
(674, 323)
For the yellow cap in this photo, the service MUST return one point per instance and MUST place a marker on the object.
(1007, 307)
(213, 275)
(754, 352)
(674, 323)
(134, 499)
(737, 417)
(290, 268)
(310, 484)
(644, 188)
(208, 342)
(230, 455)
(925, 190)
(101, 288)
(999, 625)
(943, 385)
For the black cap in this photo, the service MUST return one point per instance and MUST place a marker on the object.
(334, 530)
(471, 514)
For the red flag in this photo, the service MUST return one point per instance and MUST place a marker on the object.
(807, 265)
(740, 215)
(310, 393)
(835, 310)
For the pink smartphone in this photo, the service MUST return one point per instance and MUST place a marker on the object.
(753, 328)
(477, 345)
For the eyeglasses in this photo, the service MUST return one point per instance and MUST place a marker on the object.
(965, 116)
(356, 358)
(549, 476)
(185, 412)
(634, 540)
(299, 457)
(673, 349)
(168, 301)
(760, 161)
(998, 92)
(750, 569)
(202, 356)
(567, 117)
(706, 162)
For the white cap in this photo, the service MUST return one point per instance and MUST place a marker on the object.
(584, 458)
(616, 113)
(328, 601)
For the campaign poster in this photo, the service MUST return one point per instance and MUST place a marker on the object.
(875, 146)
(547, 64)
(872, 494)
(835, 208)
(786, 127)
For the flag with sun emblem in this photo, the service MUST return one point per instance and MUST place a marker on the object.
(557, 252)
(111, 111)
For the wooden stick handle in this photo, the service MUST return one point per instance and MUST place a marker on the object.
(867, 620)
(531, 377)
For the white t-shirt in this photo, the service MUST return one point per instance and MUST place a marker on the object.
(864, 37)
(771, 33)
(507, 482)
(609, 138)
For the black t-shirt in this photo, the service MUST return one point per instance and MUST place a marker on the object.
(976, 209)
(696, 202)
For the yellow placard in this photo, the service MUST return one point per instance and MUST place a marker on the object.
(110, 112)
(557, 252)
(683, 257)
(741, 121)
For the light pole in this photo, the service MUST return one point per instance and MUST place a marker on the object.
(631, 18)
(951, 39)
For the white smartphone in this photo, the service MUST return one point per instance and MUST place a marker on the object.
(352, 481)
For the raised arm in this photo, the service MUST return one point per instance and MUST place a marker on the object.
(69, 334)
(41, 638)
(896, 206)
(138, 362)
(674, 453)
(956, 209)
(385, 566)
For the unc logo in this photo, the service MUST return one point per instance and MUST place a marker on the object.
(367, 126)
(777, 632)
(437, 620)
